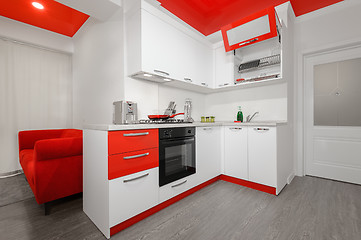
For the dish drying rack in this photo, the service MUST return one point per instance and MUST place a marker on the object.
(259, 63)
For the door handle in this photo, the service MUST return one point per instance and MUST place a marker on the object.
(135, 134)
(161, 72)
(235, 128)
(177, 185)
(250, 41)
(136, 178)
(261, 129)
(136, 156)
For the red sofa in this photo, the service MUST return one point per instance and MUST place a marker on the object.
(52, 161)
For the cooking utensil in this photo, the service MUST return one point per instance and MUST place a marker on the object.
(155, 117)
(170, 109)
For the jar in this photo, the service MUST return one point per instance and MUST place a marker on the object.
(213, 119)
(207, 119)
(203, 119)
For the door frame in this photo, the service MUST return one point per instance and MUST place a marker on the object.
(301, 101)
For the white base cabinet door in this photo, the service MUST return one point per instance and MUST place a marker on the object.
(236, 152)
(262, 155)
(208, 152)
(132, 194)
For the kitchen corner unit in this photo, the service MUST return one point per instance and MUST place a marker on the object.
(121, 175)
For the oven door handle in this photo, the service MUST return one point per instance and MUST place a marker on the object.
(177, 185)
(136, 156)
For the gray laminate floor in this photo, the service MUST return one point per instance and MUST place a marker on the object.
(309, 208)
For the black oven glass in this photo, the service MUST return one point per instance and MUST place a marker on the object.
(176, 155)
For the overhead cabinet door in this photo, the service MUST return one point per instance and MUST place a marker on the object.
(254, 28)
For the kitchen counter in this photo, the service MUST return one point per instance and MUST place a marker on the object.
(112, 127)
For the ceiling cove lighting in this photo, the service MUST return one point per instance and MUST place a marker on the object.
(37, 5)
(167, 79)
(147, 75)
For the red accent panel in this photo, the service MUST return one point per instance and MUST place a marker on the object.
(256, 186)
(54, 17)
(209, 16)
(118, 143)
(272, 23)
(159, 207)
(301, 7)
(118, 166)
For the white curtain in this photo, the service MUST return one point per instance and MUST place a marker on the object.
(35, 93)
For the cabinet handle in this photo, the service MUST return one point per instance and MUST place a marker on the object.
(250, 41)
(204, 84)
(235, 128)
(161, 72)
(136, 178)
(223, 84)
(207, 129)
(135, 134)
(188, 79)
(261, 129)
(136, 156)
(177, 185)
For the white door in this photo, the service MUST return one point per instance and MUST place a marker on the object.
(333, 115)
(235, 152)
(262, 155)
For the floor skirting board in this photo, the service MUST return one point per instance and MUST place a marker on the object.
(10, 174)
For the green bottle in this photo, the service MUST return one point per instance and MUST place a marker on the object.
(239, 115)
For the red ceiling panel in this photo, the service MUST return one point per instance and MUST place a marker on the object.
(208, 16)
(55, 17)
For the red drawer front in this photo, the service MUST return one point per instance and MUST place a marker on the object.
(132, 162)
(132, 140)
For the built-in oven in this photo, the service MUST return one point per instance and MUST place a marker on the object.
(176, 153)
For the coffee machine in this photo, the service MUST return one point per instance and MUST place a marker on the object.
(125, 112)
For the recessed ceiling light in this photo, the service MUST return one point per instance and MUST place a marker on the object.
(167, 80)
(37, 5)
(147, 75)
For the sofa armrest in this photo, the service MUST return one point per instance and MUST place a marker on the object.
(27, 139)
(58, 148)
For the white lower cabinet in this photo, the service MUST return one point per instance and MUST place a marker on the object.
(236, 152)
(262, 155)
(132, 194)
(177, 187)
(208, 152)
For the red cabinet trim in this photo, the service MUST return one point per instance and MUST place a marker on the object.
(245, 183)
(273, 29)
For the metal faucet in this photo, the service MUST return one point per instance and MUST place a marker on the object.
(248, 119)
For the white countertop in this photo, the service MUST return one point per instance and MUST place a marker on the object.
(112, 127)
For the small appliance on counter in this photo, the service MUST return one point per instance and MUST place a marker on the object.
(125, 112)
(187, 111)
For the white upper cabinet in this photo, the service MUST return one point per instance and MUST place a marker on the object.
(157, 50)
(224, 65)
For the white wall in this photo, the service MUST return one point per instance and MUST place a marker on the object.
(270, 101)
(98, 70)
(26, 33)
(332, 27)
